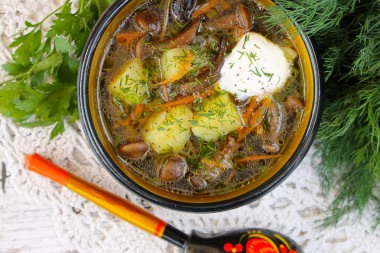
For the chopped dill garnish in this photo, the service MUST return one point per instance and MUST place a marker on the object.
(267, 74)
(249, 58)
(253, 56)
(241, 54)
(194, 122)
(206, 114)
(246, 38)
(256, 72)
(205, 150)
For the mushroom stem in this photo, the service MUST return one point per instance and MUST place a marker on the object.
(185, 37)
(275, 119)
(165, 18)
(206, 76)
(215, 167)
(239, 17)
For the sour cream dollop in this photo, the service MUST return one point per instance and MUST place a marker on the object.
(255, 67)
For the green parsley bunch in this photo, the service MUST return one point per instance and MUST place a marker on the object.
(42, 91)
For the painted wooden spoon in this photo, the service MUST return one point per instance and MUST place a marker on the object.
(245, 240)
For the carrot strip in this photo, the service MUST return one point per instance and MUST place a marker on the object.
(257, 157)
(182, 101)
(248, 113)
(207, 92)
(126, 39)
(126, 122)
(138, 109)
(183, 71)
(260, 129)
(209, 162)
(135, 114)
(256, 119)
(185, 100)
(215, 164)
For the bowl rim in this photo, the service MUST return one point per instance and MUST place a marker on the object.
(118, 174)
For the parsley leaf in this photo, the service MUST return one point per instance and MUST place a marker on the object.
(42, 91)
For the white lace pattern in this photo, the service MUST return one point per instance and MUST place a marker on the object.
(292, 208)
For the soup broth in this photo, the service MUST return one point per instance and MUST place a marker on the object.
(200, 97)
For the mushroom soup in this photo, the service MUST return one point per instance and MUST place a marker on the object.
(200, 97)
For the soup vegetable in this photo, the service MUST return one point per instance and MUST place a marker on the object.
(200, 97)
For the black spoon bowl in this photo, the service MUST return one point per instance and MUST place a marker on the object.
(253, 240)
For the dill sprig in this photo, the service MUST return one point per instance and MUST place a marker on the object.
(348, 35)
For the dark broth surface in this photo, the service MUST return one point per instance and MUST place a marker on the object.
(208, 167)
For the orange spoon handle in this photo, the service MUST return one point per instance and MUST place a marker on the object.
(109, 201)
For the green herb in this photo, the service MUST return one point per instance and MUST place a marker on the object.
(253, 56)
(194, 122)
(267, 74)
(256, 72)
(207, 114)
(348, 35)
(249, 58)
(205, 150)
(246, 38)
(42, 90)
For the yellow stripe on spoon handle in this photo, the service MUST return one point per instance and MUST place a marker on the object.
(109, 201)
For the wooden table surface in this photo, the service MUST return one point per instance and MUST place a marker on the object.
(25, 226)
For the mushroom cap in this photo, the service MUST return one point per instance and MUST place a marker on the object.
(174, 169)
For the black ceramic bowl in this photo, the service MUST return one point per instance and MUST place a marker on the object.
(97, 134)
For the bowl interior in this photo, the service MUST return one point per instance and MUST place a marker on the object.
(97, 133)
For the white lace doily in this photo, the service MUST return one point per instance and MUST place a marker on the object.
(292, 208)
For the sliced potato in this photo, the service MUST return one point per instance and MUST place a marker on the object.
(218, 117)
(290, 53)
(177, 62)
(168, 131)
(130, 84)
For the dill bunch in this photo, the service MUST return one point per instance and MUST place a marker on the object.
(347, 34)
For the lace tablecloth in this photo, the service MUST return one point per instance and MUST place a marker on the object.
(292, 208)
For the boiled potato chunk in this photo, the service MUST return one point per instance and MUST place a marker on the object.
(177, 62)
(168, 131)
(130, 84)
(218, 117)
